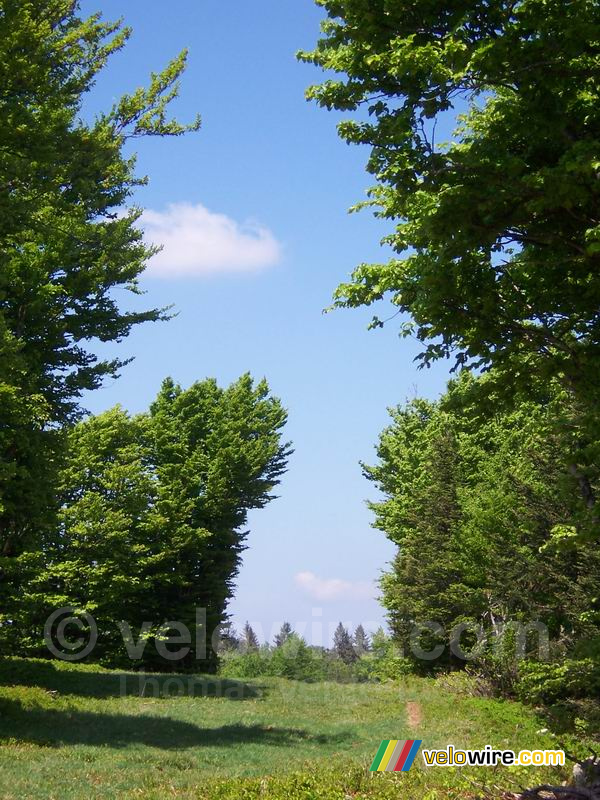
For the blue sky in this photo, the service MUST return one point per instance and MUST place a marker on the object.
(253, 210)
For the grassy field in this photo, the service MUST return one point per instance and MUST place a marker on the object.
(69, 733)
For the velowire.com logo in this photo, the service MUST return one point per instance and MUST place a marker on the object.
(395, 755)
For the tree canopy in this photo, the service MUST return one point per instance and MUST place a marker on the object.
(479, 508)
(67, 241)
(498, 228)
(152, 520)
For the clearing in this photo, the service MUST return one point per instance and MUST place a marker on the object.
(71, 732)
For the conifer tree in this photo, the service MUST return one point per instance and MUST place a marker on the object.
(362, 643)
(342, 645)
(250, 642)
(283, 635)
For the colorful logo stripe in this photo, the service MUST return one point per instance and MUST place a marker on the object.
(395, 755)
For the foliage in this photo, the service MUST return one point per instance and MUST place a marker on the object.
(550, 683)
(66, 244)
(388, 663)
(152, 520)
(496, 230)
(293, 659)
(502, 219)
(343, 646)
(471, 498)
(296, 660)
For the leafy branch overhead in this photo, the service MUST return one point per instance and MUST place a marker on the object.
(145, 111)
(497, 228)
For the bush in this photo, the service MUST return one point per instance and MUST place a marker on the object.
(551, 683)
(296, 660)
(243, 665)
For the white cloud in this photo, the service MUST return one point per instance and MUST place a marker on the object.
(198, 242)
(333, 588)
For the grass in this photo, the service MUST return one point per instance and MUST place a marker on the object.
(69, 732)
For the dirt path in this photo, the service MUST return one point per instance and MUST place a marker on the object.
(413, 712)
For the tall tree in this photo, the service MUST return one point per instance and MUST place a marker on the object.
(66, 241)
(362, 643)
(342, 645)
(249, 639)
(218, 453)
(502, 219)
(283, 635)
(497, 229)
(153, 516)
(480, 512)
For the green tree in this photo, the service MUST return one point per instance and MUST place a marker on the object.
(218, 453)
(250, 642)
(497, 229)
(295, 660)
(342, 645)
(379, 642)
(283, 635)
(472, 497)
(361, 641)
(152, 520)
(66, 241)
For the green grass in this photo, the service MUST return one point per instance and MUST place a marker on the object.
(83, 732)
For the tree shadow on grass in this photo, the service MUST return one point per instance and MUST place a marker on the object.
(90, 682)
(63, 728)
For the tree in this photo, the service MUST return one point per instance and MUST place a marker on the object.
(249, 639)
(362, 644)
(478, 507)
(229, 641)
(380, 643)
(283, 635)
(152, 520)
(295, 660)
(218, 453)
(100, 557)
(425, 514)
(497, 230)
(342, 645)
(66, 241)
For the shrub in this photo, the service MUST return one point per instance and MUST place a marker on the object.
(550, 683)
(243, 665)
(294, 659)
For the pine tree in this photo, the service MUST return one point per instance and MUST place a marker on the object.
(249, 639)
(342, 645)
(283, 635)
(362, 643)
